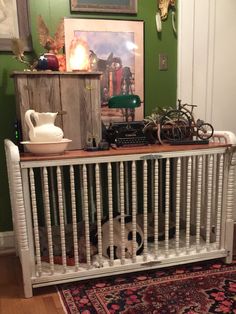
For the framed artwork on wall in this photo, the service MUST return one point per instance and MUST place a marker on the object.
(109, 6)
(114, 48)
(14, 22)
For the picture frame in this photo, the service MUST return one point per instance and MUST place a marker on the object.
(107, 6)
(118, 47)
(14, 22)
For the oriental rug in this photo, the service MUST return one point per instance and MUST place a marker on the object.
(208, 287)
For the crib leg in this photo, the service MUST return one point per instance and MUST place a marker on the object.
(229, 236)
(26, 273)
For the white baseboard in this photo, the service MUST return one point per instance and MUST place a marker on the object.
(7, 242)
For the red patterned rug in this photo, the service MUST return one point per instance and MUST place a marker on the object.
(208, 287)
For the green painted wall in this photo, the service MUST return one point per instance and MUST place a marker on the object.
(160, 86)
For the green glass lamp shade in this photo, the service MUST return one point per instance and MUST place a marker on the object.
(124, 101)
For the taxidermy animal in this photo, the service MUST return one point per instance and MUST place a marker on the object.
(53, 44)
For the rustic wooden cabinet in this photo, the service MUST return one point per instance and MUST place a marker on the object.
(75, 93)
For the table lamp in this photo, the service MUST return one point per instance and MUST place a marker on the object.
(125, 102)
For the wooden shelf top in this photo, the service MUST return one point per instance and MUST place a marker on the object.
(49, 72)
(149, 149)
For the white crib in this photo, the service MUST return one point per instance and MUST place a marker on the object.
(179, 200)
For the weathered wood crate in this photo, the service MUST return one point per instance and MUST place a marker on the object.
(75, 93)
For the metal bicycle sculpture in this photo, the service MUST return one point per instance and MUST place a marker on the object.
(179, 124)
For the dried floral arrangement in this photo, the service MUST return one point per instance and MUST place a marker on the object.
(17, 47)
(52, 44)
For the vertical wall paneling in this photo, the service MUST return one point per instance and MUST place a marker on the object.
(206, 51)
(185, 50)
(196, 54)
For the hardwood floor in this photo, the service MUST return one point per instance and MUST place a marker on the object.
(12, 301)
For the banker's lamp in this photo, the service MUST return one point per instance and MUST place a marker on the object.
(125, 102)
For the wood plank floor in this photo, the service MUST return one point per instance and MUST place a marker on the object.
(12, 301)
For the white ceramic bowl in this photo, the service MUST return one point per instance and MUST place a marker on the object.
(44, 148)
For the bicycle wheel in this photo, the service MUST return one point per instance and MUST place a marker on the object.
(175, 125)
(205, 131)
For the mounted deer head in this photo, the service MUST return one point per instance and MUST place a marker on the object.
(162, 14)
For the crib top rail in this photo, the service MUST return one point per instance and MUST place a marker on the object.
(220, 143)
(119, 155)
(155, 149)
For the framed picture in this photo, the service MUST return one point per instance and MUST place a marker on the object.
(110, 6)
(115, 48)
(14, 22)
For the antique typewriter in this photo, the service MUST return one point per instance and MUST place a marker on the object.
(126, 134)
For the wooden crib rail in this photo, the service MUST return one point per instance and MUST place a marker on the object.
(173, 204)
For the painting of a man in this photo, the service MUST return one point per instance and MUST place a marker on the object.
(115, 49)
(113, 54)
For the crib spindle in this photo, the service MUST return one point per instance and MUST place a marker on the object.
(99, 213)
(74, 217)
(63, 197)
(167, 207)
(122, 212)
(61, 218)
(156, 208)
(110, 209)
(134, 210)
(35, 222)
(145, 212)
(220, 163)
(198, 202)
(188, 202)
(127, 196)
(209, 200)
(177, 217)
(48, 218)
(86, 215)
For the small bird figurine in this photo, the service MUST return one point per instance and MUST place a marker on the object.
(51, 44)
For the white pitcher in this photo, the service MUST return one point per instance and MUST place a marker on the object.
(44, 130)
